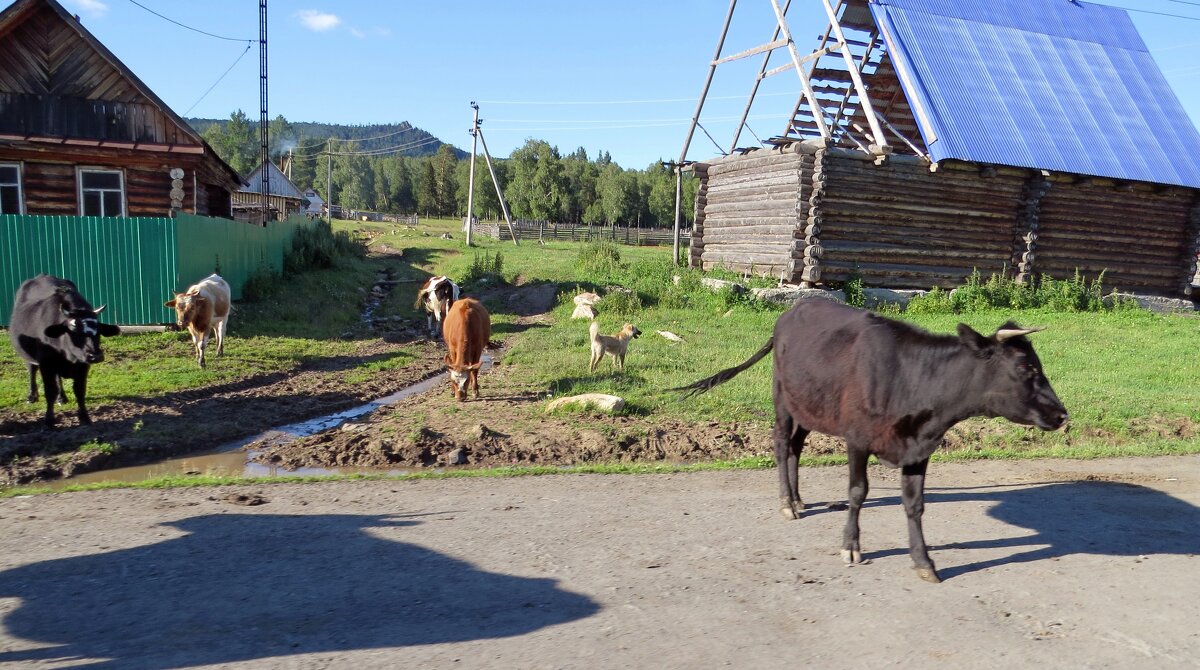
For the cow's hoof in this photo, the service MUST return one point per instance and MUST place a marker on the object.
(791, 509)
(31, 398)
(928, 574)
(852, 556)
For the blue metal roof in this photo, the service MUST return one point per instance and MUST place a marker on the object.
(1046, 84)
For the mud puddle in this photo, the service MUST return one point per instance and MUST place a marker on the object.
(238, 458)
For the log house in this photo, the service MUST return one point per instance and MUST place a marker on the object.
(933, 193)
(81, 135)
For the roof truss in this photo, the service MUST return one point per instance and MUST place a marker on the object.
(850, 93)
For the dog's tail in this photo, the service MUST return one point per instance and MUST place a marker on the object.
(593, 330)
(696, 388)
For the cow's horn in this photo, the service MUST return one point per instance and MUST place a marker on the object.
(1009, 333)
(99, 309)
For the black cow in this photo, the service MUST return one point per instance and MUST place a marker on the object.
(56, 331)
(892, 390)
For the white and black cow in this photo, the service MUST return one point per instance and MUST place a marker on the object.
(56, 331)
(436, 296)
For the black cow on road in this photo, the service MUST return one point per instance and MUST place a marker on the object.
(892, 390)
(56, 331)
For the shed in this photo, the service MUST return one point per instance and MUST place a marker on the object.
(285, 198)
(932, 138)
(81, 135)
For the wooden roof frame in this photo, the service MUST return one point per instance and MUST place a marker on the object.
(841, 112)
(16, 13)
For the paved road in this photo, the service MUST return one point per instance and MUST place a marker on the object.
(1046, 564)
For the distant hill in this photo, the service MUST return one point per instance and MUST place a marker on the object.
(383, 136)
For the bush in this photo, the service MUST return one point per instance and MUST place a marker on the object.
(853, 289)
(1002, 292)
(622, 302)
(599, 257)
(487, 267)
(318, 247)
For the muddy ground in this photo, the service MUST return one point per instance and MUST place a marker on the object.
(1056, 564)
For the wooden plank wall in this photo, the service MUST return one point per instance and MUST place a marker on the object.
(51, 188)
(751, 208)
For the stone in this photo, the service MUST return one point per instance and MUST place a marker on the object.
(457, 457)
(1153, 303)
(877, 296)
(790, 294)
(598, 401)
(718, 284)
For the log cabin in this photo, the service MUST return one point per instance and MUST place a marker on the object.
(284, 198)
(932, 138)
(81, 135)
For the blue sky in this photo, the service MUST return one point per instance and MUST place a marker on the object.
(616, 76)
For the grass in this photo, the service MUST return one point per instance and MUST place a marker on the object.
(1127, 376)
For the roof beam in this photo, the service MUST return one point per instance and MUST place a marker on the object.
(882, 148)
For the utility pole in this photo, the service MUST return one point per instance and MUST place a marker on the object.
(471, 176)
(329, 180)
(262, 118)
(677, 168)
(496, 182)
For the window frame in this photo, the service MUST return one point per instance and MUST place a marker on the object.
(80, 171)
(20, 186)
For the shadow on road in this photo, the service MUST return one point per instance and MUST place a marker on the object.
(248, 586)
(1077, 517)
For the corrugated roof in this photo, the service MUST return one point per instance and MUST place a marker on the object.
(277, 182)
(1046, 84)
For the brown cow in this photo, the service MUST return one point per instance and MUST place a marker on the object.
(203, 309)
(466, 331)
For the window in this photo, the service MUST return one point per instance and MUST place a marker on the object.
(10, 188)
(101, 193)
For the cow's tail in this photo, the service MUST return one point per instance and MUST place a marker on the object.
(696, 388)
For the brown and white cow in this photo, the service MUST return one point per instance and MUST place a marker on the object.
(203, 309)
(466, 330)
(437, 294)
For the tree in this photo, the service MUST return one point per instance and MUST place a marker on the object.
(427, 198)
(445, 181)
(618, 194)
(238, 147)
(538, 186)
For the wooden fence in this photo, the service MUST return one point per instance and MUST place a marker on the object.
(133, 265)
(548, 232)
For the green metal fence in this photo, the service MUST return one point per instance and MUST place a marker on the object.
(134, 265)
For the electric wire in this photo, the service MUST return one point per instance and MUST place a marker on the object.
(181, 25)
(210, 88)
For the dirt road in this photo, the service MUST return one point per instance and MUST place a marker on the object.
(1046, 564)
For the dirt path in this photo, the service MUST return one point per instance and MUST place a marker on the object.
(1046, 564)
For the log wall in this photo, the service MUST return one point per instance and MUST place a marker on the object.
(747, 211)
(814, 215)
(1137, 236)
(50, 180)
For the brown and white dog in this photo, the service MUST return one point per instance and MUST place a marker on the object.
(203, 309)
(613, 345)
(436, 295)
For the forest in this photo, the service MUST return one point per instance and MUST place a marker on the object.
(401, 169)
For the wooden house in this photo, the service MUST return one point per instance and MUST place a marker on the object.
(1044, 141)
(284, 197)
(81, 135)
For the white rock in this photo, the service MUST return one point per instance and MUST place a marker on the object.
(790, 294)
(601, 401)
(669, 335)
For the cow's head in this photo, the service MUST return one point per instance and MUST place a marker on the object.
(188, 308)
(1017, 389)
(459, 375)
(82, 328)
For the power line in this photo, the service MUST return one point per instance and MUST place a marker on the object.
(181, 25)
(618, 102)
(1147, 11)
(370, 152)
(357, 139)
(1185, 2)
(210, 88)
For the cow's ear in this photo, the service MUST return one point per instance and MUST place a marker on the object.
(973, 340)
(57, 330)
(169, 303)
(109, 330)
